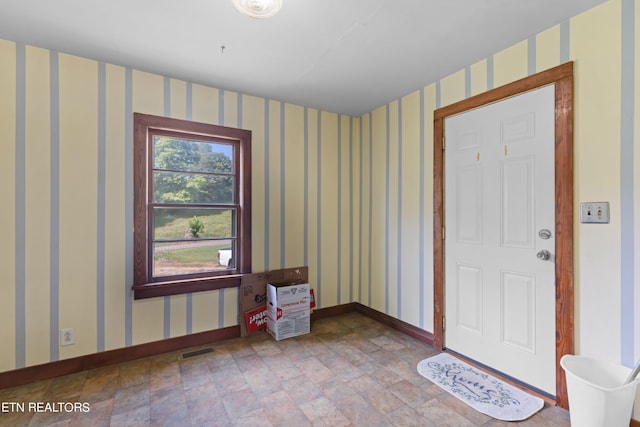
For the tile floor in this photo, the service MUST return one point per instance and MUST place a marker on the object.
(349, 371)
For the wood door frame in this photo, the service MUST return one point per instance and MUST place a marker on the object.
(562, 77)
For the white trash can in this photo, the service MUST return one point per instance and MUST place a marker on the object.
(597, 396)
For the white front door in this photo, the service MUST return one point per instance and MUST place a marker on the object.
(499, 227)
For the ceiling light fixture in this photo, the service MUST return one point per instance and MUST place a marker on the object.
(258, 8)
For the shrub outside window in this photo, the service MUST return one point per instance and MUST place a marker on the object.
(192, 206)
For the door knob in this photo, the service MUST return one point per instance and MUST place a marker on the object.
(544, 254)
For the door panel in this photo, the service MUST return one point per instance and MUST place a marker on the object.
(518, 310)
(517, 202)
(469, 214)
(470, 308)
(499, 191)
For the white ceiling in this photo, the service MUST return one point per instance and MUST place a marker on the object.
(344, 56)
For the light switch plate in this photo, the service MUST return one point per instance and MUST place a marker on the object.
(594, 212)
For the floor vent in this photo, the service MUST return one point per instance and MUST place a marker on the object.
(197, 352)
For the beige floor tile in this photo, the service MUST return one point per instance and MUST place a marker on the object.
(436, 413)
(282, 410)
(405, 416)
(129, 398)
(255, 418)
(98, 416)
(359, 412)
(139, 417)
(240, 403)
(315, 370)
(301, 389)
(322, 412)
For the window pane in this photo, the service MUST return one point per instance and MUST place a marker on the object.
(172, 187)
(178, 258)
(189, 224)
(177, 154)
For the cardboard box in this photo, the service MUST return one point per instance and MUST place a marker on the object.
(253, 289)
(256, 319)
(288, 309)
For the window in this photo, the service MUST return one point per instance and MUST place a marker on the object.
(192, 206)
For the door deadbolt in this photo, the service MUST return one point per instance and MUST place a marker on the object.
(544, 234)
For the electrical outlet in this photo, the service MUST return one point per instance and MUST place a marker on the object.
(594, 212)
(67, 337)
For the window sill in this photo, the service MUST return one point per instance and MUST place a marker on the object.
(177, 287)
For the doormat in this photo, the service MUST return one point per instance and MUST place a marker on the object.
(478, 389)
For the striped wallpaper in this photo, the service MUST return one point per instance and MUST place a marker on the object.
(67, 175)
(351, 197)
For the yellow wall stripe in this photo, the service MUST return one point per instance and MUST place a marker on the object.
(429, 101)
(78, 182)
(148, 315)
(452, 88)
(345, 235)
(392, 218)
(510, 64)
(204, 104)
(327, 288)
(115, 185)
(293, 213)
(205, 307)
(410, 210)
(38, 202)
(273, 195)
(254, 119)
(378, 199)
(356, 209)
(7, 208)
(548, 48)
(596, 128)
(478, 77)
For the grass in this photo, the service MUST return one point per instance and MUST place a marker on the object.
(196, 254)
(174, 223)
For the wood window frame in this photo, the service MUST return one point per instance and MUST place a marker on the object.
(562, 77)
(144, 284)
